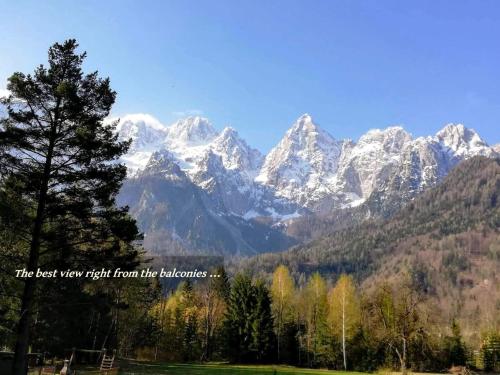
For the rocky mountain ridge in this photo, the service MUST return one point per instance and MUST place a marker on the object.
(308, 172)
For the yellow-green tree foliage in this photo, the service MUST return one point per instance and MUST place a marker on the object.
(282, 293)
(344, 313)
(315, 314)
(399, 318)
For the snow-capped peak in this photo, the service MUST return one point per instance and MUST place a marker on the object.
(390, 139)
(305, 157)
(229, 133)
(235, 152)
(145, 131)
(304, 132)
(147, 135)
(363, 163)
(303, 124)
(192, 130)
(462, 141)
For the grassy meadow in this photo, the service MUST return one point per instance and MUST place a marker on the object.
(145, 368)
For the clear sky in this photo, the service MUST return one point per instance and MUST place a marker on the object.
(258, 65)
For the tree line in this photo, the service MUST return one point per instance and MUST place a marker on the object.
(316, 324)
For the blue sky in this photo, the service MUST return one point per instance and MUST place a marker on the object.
(258, 65)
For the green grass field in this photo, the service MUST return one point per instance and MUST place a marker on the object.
(144, 368)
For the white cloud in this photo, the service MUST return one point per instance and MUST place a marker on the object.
(188, 112)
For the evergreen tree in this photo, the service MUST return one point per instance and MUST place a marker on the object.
(187, 293)
(189, 304)
(13, 249)
(262, 325)
(190, 336)
(221, 284)
(456, 346)
(238, 330)
(58, 153)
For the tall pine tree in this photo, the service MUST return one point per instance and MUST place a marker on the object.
(456, 347)
(263, 338)
(238, 319)
(61, 157)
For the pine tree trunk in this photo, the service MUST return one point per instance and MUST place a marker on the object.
(20, 362)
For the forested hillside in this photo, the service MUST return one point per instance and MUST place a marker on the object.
(447, 240)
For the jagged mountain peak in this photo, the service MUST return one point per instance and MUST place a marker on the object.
(451, 129)
(381, 134)
(193, 130)
(463, 141)
(145, 131)
(456, 134)
(390, 140)
(229, 136)
(304, 140)
(304, 123)
(301, 164)
(160, 156)
(305, 117)
(305, 130)
(229, 131)
(365, 165)
(235, 152)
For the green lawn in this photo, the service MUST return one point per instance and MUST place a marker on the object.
(144, 368)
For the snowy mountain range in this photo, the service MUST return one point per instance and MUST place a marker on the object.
(192, 187)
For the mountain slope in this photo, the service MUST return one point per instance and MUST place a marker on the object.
(448, 238)
(178, 217)
(468, 198)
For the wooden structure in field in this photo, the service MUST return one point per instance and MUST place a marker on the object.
(107, 362)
